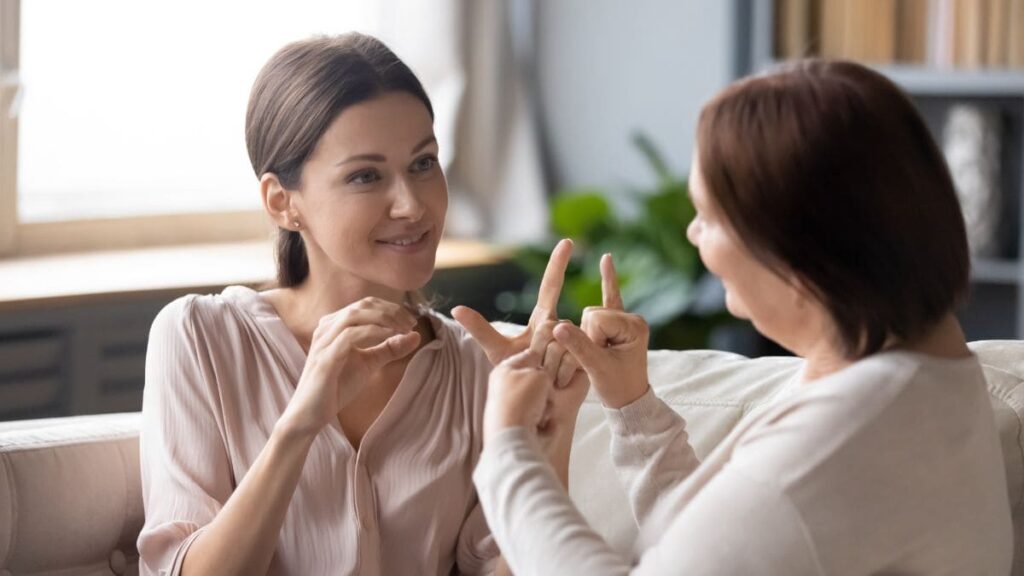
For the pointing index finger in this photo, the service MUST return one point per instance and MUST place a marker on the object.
(554, 278)
(610, 295)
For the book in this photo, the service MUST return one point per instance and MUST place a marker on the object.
(968, 33)
(997, 27)
(912, 31)
(1015, 34)
(793, 29)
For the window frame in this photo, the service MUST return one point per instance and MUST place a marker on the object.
(36, 238)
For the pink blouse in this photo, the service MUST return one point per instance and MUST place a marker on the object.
(220, 370)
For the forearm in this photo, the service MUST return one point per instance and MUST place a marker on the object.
(651, 452)
(243, 537)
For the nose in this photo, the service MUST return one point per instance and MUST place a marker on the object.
(406, 204)
(692, 232)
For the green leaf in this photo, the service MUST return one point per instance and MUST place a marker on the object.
(581, 215)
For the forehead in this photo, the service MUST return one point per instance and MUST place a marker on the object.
(390, 121)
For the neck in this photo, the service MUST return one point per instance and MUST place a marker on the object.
(944, 340)
(317, 296)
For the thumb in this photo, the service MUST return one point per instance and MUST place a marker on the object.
(589, 355)
(395, 347)
(480, 329)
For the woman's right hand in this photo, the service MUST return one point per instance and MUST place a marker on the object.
(610, 345)
(348, 347)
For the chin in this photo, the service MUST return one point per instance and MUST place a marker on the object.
(412, 280)
(735, 308)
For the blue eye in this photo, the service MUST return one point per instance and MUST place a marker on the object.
(364, 177)
(424, 164)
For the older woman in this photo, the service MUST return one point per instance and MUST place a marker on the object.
(826, 209)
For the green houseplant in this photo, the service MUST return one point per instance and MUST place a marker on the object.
(660, 274)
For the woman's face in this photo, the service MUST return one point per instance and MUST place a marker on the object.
(752, 290)
(373, 196)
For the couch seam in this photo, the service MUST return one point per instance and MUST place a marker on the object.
(124, 495)
(14, 509)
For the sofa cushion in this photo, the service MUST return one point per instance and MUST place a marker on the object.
(70, 495)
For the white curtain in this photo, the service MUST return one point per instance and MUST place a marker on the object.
(467, 57)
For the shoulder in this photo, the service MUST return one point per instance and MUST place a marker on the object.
(892, 406)
(193, 315)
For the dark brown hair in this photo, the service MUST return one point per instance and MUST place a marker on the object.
(826, 170)
(296, 96)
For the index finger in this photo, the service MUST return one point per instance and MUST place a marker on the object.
(553, 279)
(610, 295)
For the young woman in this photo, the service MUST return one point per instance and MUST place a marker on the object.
(330, 425)
(826, 209)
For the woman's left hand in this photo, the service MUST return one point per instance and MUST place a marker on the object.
(497, 346)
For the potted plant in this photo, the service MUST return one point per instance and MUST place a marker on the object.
(660, 273)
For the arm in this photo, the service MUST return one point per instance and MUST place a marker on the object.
(195, 522)
(236, 532)
(735, 525)
(651, 453)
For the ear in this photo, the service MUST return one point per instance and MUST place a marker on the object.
(277, 201)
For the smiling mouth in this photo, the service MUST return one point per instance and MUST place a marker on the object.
(404, 240)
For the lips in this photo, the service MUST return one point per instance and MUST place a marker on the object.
(406, 241)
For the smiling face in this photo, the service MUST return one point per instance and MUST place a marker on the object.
(373, 197)
(778, 308)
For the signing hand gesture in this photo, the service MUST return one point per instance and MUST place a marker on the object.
(610, 345)
(348, 347)
(538, 333)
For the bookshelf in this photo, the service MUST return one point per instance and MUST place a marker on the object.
(996, 305)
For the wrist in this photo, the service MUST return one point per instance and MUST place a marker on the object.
(292, 429)
(619, 397)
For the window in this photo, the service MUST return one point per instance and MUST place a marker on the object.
(124, 121)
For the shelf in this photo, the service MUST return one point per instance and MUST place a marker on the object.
(928, 81)
(992, 271)
(932, 81)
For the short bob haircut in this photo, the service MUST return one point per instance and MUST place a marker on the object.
(826, 171)
(296, 96)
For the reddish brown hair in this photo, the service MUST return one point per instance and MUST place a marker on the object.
(825, 169)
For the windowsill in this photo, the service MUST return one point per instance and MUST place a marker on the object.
(45, 281)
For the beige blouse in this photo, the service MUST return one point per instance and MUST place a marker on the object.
(220, 370)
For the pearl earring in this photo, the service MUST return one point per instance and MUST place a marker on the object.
(297, 224)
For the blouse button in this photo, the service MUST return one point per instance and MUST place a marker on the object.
(118, 563)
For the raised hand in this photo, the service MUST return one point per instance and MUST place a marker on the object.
(517, 395)
(610, 345)
(348, 347)
(498, 347)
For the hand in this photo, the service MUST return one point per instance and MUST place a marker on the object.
(348, 347)
(611, 344)
(498, 347)
(517, 394)
(571, 386)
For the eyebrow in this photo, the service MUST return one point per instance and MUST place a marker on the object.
(381, 158)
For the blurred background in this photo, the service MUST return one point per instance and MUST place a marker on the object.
(125, 183)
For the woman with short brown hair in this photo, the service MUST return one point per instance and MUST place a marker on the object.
(827, 211)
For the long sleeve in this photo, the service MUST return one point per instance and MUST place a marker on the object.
(476, 550)
(186, 474)
(734, 526)
(652, 455)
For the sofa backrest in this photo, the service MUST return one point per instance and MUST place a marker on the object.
(70, 494)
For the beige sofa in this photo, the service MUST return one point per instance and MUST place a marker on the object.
(69, 487)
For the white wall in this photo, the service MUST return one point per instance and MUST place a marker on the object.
(609, 67)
